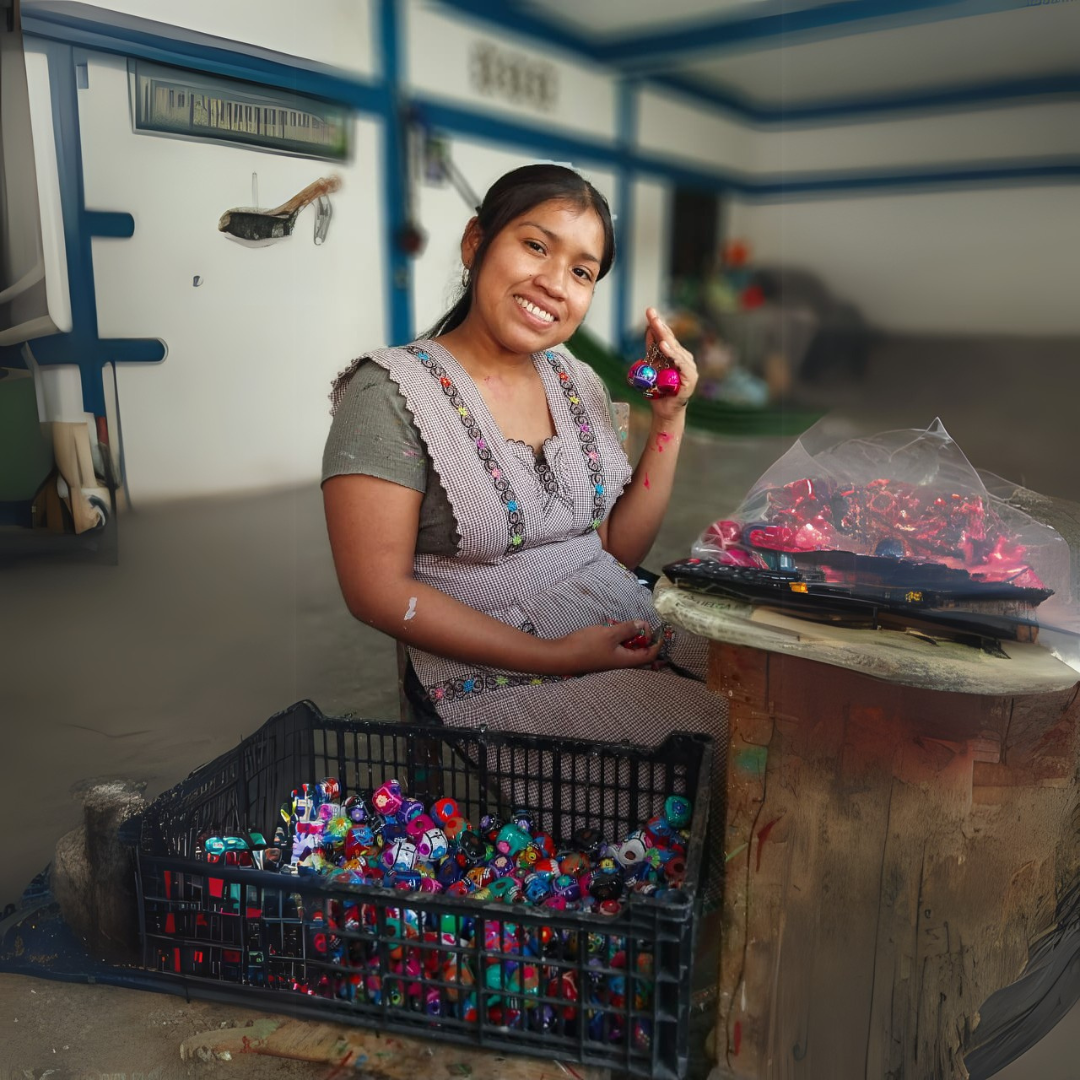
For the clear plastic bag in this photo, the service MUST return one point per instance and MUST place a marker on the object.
(907, 494)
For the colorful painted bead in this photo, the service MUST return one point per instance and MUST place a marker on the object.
(606, 885)
(471, 849)
(454, 827)
(387, 798)
(444, 809)
(537, 888)
(642, 375)
(668, 382)
(502, 865)
(400, 855)
(418, 824)
(506, 889)
(677, 810)
(511, 839)
(432, 845)
(357, 839)
(480, 876)
(631, 853)
(566, 886)
(448, 872)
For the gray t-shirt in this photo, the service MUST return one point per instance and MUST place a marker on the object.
(374, 434)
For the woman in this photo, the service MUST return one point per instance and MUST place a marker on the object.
(480, 506)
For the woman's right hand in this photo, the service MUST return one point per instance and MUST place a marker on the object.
(601, 648)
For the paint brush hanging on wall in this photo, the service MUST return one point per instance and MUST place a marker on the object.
(257, 227)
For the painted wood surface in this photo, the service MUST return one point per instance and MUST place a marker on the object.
(899, 657)
(360, 1053)
(892, 854)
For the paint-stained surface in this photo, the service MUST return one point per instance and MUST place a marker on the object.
(893, 853)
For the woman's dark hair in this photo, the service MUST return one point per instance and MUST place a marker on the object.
(515, 194)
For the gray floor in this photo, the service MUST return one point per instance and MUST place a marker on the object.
(221, 612)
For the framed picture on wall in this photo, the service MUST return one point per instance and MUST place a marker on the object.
(190, 104)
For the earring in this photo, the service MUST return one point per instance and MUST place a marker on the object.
(465, 277)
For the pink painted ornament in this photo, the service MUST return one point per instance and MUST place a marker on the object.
(668, 382)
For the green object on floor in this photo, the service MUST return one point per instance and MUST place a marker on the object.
(719, 417)
(25, 453)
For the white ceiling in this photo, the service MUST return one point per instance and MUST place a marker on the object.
(857, 60)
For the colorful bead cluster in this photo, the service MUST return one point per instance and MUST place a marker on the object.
(521, 973)
(390, 839)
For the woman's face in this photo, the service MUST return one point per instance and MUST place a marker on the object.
(538, 276)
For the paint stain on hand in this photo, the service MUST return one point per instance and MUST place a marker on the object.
(662, 438)
(411, 610)
(647, 481)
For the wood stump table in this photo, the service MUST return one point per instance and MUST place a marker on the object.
(902, 821)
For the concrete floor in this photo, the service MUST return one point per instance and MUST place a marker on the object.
(221, 612)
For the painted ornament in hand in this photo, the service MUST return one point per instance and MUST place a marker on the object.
(654, 376)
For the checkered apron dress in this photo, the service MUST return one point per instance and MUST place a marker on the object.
(530, 556)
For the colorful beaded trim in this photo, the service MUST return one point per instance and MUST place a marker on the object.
(502, 485)
(471, 685)
(593, 461)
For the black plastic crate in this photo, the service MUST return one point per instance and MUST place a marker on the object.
(604, 990)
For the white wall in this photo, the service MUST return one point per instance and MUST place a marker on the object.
(334, 32)
(1001, 260)
(998, 258)
(240, 401)
(994, 259)
(649, 249)
(439, 51)
(673, 127)
(1011, 133)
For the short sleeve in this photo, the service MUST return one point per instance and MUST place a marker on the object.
(374, 434)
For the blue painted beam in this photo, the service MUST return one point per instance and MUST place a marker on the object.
(488, 127)
(108, 223)
(534, 138)
(395, 179)
(972, 96)
(766, 25)
(1060, 170)
(769, 30)
(82, 346)
(624, 203)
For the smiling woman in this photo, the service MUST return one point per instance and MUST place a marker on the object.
(481, 508)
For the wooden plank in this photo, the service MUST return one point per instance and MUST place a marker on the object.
(369, 1055)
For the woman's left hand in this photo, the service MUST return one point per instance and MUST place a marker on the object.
(658, 334)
